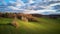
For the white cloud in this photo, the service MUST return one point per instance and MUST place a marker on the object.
(50, 6)
(49, 0)
(13, 8)
(31, 1)
(54, 4)
(19, 3)
(39, 11)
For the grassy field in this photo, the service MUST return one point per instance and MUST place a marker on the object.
(44, 26)
(5, 20)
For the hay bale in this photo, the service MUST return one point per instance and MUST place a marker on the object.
(16, 24)
(24, 19)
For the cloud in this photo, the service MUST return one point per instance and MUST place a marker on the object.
(20, 2)
(32, 6)
(13, 8)
(31, 1)
(51, 6)
(40, 12)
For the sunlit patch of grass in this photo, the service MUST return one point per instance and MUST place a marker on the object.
(36, 27)
(32, 26)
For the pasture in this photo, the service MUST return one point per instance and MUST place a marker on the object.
(44, 26)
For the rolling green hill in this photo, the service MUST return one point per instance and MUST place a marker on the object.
(44, 26)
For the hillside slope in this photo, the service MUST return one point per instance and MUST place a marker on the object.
(45, 26)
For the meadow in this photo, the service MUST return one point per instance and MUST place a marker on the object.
(44, 26)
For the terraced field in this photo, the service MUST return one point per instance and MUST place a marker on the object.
(44, 26)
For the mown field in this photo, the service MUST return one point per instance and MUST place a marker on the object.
(44, 26)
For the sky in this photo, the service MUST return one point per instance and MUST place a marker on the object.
(44, 7)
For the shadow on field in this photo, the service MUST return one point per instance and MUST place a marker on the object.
(6, 24)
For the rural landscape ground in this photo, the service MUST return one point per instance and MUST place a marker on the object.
(44, 26)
